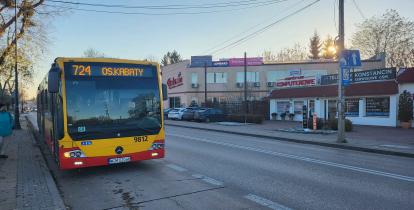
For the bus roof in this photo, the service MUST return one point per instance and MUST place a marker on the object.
(104, 60)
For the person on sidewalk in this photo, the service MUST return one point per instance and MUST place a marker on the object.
(6, 121)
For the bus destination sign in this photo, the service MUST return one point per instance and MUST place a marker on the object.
(109, 69)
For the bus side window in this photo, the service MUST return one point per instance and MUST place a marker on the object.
(59, 117)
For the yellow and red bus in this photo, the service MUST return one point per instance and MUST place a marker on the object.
(101, 111)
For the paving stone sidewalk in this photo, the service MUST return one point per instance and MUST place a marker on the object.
(25, 180)
(384, 140)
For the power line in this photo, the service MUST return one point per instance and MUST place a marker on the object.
(169, 13)
(170, 6)
(359, 10)
(249, 29)
(254, 34)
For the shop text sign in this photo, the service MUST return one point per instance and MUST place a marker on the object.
(296, 81)
(256, 61)
(362, 76)
(175, 81)
(220, 63)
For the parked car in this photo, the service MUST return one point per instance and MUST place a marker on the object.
(209, 115)
(166, 112)
(176, 113)
(189, 113)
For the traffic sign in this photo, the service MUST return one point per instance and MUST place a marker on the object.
(346, 76)
(350, 58)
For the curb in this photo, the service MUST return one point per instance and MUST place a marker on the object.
(332, 145)
(51, 183)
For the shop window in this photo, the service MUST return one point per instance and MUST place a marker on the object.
(352, 107)
(175, 102)
(298, 107)
(377, 106)
(283, 106)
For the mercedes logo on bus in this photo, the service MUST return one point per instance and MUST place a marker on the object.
(119, 150)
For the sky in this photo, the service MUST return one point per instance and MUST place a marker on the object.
(140, 36)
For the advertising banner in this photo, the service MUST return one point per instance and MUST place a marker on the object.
(362, 76)
(200, 61)
(256, 61)
(296, 82)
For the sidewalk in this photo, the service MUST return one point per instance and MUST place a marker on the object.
(382, 140)
(25, 180)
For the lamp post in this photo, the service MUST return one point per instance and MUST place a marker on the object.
(16, 75)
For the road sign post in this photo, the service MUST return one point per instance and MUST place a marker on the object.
(348, 59)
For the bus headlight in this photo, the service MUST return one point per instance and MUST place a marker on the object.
(155, 146)
(74, 154)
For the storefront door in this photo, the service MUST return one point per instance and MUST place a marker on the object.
(332, 109)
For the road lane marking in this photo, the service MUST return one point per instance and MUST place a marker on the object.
(207, 179)
(321, 162)
(177, 168)
(265, 202)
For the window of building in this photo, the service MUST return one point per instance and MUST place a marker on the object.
(332, 107)
(298, 107)
(194, 78)
(377, 106)
(352, 107)
(217, 77)
(283, 106)
(251, 77)
(175, 102)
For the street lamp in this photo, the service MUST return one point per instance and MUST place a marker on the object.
(16, 75)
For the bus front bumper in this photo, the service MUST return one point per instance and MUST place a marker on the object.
(73, 163)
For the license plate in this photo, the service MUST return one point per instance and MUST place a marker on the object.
(119, 160)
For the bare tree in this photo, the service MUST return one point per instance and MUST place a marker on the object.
(296, 53)
(31, 37)
(93, 53)
(390, 34)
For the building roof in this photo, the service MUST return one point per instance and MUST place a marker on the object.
(406, 75)
(357, 89)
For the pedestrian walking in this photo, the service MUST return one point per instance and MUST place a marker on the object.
(6, 121)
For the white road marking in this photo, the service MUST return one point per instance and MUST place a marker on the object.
(207, 179)
(177, 168)
(395, 146)
(322, 162)
(265, 202)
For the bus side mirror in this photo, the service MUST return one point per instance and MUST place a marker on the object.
(164, 92)
(53, 80)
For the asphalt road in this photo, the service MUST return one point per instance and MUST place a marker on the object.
(209, 170)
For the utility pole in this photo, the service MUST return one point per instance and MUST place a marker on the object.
(245, 88)
(341, 101)
(205, 84)
(16, 75)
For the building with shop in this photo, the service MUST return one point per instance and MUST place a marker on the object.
(224, 79)
(371, 99)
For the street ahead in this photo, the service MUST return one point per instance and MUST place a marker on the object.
(209, 170)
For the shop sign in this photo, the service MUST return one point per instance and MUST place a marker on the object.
(175, 81)
(220, 63)
(362, 76)
(296, 81)
(201, 61)
(256, 61)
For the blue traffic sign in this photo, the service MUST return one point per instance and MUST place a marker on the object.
(346, 76)
(350, 58)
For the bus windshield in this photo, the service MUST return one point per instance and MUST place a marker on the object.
(108, 107)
